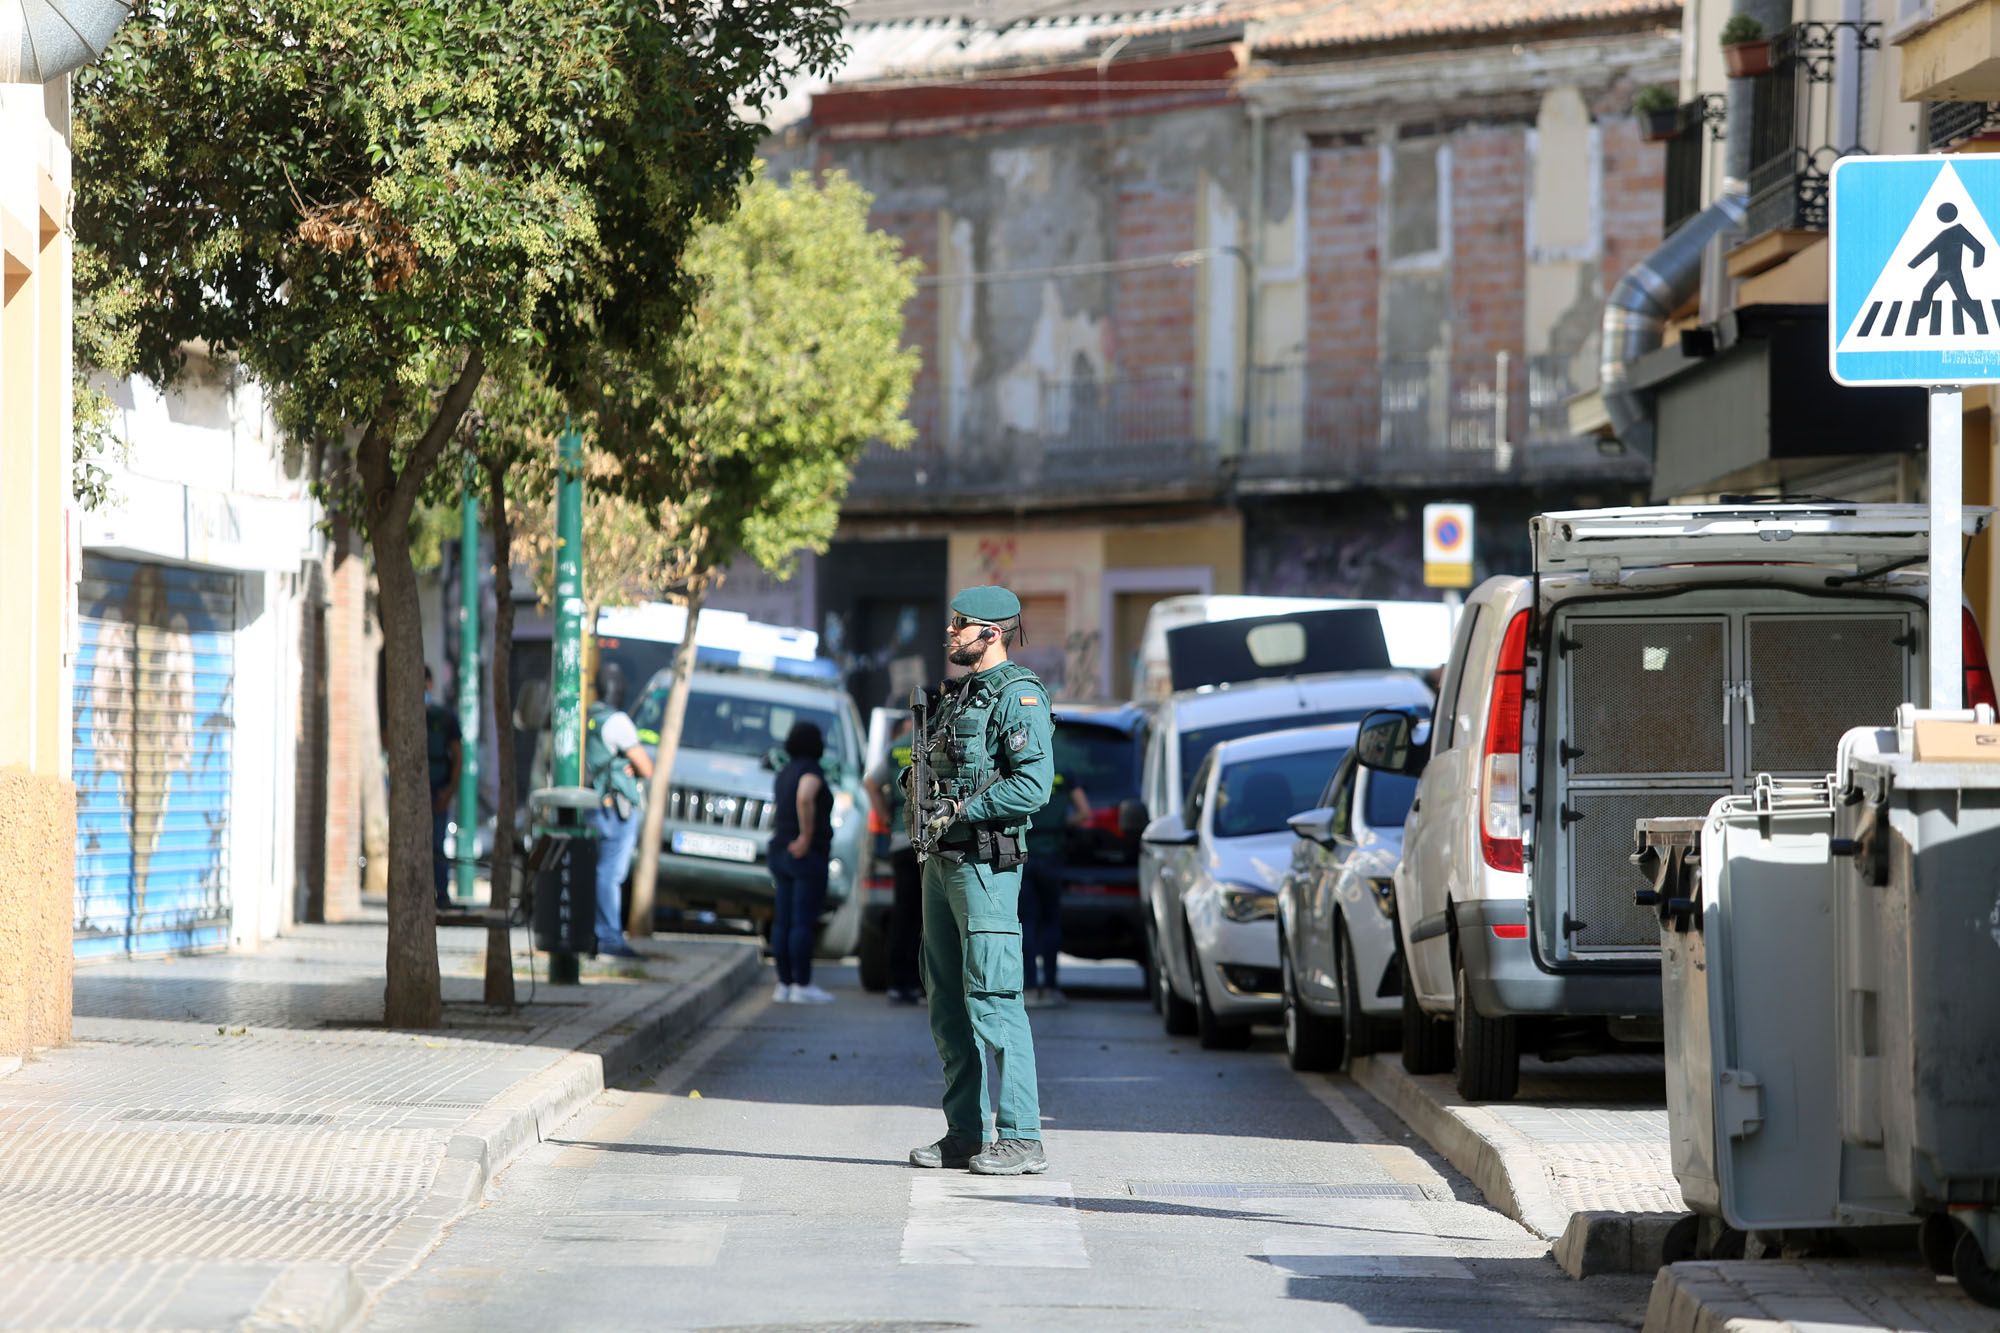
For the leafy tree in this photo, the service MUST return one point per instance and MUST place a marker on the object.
(367, 201)
(791, 365)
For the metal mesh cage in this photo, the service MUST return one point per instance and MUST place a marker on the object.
(1813, 677)
(1601, 875)
(1646, 697)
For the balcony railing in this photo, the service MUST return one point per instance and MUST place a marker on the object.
(1793, 123)
(1152, 432)
(1700, 123)
(1180, 433)
(1417, 422)
(1948, 124)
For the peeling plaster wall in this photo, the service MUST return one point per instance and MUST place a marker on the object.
(1001, 350)
(1399, 230)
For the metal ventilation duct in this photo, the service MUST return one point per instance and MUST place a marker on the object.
(46, 39)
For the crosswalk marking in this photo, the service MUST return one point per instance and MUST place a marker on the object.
(1011, 1221)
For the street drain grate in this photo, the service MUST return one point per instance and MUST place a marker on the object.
(204, 1117)
(1209, 1189)
(844, 1326)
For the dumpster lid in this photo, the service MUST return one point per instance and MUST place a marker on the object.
(1821, 532)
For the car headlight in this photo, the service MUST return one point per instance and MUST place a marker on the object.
(1247, 902)
(1384, 892)
(843, 806)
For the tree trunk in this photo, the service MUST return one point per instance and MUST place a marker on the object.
(412, 998)
(502, 686)
(646, 868)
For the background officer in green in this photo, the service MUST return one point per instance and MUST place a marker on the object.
(988, 744)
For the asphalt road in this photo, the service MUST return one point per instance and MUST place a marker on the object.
(759, 1182)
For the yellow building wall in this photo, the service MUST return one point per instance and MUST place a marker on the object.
(1081, 586)
(37, 803)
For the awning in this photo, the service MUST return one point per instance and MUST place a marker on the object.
(46, 39)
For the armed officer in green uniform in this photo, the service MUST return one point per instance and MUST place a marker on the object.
(982, 765)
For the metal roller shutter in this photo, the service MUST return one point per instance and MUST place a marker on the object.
(154, 731)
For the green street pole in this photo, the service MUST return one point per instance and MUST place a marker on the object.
(568, 718)
(466, 845)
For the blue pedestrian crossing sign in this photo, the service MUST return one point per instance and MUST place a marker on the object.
(1915, 271)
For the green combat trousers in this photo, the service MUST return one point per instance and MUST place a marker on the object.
(972, 974)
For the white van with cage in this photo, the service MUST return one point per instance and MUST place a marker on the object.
(1656, 659)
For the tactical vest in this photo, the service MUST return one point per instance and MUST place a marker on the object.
(604, 767)
(964, 753)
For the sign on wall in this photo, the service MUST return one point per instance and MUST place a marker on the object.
(1447, 546)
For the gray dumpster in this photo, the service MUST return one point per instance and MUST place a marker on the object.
(1919, 986)
(1746, 908)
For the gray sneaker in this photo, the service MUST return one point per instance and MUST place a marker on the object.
(949, 1152)
(1011, 1157)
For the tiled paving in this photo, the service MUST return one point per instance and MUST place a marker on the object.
(1810, 1296)
(247, 1112)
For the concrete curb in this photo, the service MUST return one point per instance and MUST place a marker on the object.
(605, 1046)
(1503, 1164)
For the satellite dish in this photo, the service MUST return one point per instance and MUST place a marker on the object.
(46, 39)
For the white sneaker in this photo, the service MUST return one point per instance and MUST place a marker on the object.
(783, 994)
(810, 995)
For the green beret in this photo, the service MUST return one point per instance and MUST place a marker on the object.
(989, 603)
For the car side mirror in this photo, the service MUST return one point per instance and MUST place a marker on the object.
(531, 706)
(775, 759)
(1132, 818)
(1169, 831)
(1386, 742)
(1315, 824)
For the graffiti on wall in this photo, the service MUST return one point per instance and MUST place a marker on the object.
(153, 733)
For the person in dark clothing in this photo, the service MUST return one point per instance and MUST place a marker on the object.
(1041, 895)
(445, 751)
(801, 847)
(906, 913)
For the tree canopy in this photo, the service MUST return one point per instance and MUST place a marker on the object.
(367, 201)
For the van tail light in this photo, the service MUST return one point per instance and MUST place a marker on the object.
(1978, 675)
(1500, 763)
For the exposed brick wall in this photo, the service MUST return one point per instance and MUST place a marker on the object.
(1343, 285)
(350, 705)
(1153, 308)
(1489, 184)
(1634, 183)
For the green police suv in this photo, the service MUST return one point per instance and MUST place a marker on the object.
(719, 807)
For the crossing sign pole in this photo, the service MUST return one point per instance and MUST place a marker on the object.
(1914, 299)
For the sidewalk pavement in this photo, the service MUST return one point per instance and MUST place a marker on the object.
(1581, 1158)
(235, 1141)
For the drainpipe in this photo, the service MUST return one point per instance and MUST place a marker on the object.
(1253, 276)
(1636, 313)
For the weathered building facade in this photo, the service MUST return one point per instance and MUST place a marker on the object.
(1215, 299)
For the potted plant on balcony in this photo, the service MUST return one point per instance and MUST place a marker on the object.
(1746, 50)
(1659, 112)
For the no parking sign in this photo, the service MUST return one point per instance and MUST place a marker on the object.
(1448, 546)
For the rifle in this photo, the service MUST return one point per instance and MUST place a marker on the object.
(925, 790)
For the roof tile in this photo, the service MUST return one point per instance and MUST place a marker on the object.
(1356, 22)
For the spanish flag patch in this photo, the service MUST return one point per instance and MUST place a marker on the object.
(1030, 700)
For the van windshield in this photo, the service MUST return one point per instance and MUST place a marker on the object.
(732, 724)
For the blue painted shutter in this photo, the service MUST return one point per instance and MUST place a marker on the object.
(154, 730)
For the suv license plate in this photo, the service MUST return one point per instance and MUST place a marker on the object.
(715, 845)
